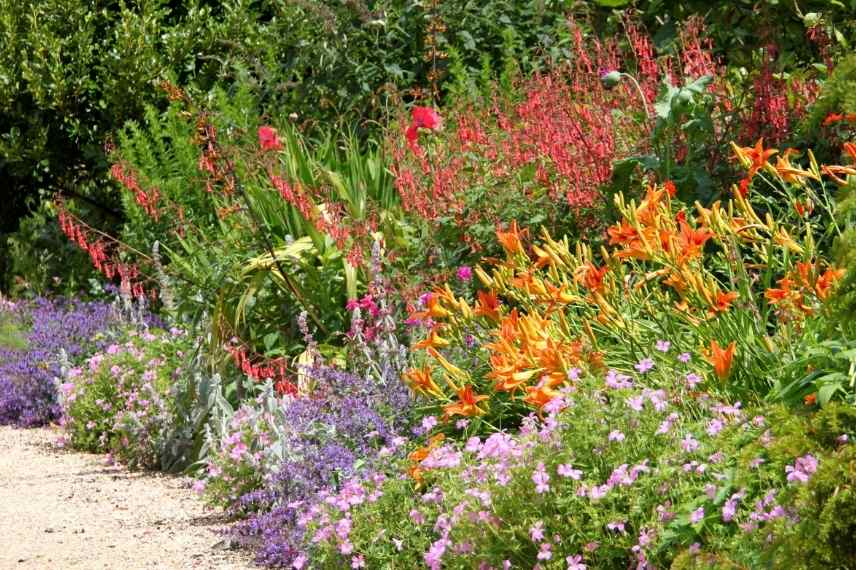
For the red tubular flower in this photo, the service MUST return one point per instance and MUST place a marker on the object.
(268, 138)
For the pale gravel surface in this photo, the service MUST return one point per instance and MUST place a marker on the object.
(61, 509)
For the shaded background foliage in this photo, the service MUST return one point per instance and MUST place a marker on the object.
(73, 72)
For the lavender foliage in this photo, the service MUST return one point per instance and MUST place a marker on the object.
(28, 395)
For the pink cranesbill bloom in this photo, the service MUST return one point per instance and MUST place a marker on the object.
(541, 479)
(536, 532)
(567, 470)
(697, 515)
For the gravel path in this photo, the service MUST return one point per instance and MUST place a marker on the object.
(60, 509)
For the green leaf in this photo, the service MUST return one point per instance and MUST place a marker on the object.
(270, 340)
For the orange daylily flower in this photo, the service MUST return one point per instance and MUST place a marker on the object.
(691, 241)
(721, 358)
(804, 269)
(623, 234)
(810, 399)
(754, 158)
(783, 292)
(487, 305)
(803, 208)
(433, 309)
(850, 148)
(834, 172)
(539, 396)
(419, 455)
(743, 188)
(826, 281)
(433, 340)
(510, 240)
(467, 404)
(592, 276)
(670, 188)
(421, 381)
(676, 281)
(837, 117)
(722, 301)
(507, 375)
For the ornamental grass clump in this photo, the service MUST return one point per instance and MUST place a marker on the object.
(741, 284)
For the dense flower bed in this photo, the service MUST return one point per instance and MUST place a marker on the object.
(28, 395)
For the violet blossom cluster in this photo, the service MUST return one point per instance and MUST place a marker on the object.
(28, 394)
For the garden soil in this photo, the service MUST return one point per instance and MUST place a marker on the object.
(60, 509)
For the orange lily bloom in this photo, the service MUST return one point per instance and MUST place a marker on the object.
(510, 240)
(836, 117)
(418, 456)
(803, 208)
(487, 305)
(691, 241)
(623, 234)
(421, 382)
(433, 309)
(834, 172)
(720, 358)
(722, 301)
(539, 396)
(826, 281)
(777, 295)
(804, 271)
(754, 158)
(467, 404)
(592, 277)
(434, 340)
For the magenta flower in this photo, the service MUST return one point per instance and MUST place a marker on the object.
(663, 345)
(684, 357)
(693, 380)
(545, 552)
(616, 435)
(575, 562)
(465, 273)
(714, 427)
